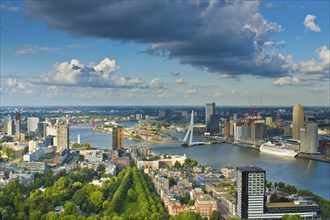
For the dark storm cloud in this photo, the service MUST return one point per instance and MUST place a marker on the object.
(218, 36)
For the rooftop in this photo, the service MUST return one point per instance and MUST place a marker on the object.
(250, 168)
(286, 204)
(205, 197)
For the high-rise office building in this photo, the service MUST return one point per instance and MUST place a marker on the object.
(309, 142)
(17, 124)
(211, 119)
(251, 200)
(214, 125)
(5, 122)
(32, 124)
(297, 121)
(42, 129)
(250, 186)
(62, 136)
(117, 138)
(209, 111)
(9, 126)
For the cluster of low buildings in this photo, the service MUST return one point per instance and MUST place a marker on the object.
(238, 192)
(23, 172)
(203, 203)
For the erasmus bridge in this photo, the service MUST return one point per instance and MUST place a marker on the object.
(189, 134)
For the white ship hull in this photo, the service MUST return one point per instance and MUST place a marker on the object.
(282, 150)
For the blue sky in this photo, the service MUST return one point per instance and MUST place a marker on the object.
(164, 52)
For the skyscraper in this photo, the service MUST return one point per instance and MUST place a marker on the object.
(309, 137)
(211, 119)
(117, 138)
(251, 200)
(32, 124)
(42, 129)
(214, 125)
(209, 111)
(62, 136)
(9, 126)
(250, 186)
(297, 121)
(17, 124)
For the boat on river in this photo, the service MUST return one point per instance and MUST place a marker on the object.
(278, 149)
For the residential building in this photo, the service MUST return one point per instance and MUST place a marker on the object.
(33, 167)
(257, 130)
(205, 205)
(22, 178)
(238, 131)
(162, 183)
(228, 172)
(175, 208)
(162, 162)
(203, 178)
(92, 156)
(226, 129)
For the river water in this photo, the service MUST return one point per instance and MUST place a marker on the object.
(302, 173)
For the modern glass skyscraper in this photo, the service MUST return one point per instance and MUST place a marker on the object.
(309, 138)
(209, 111)
(297, 121)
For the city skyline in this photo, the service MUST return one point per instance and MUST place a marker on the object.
(161, 53)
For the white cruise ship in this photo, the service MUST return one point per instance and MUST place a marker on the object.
(281, 150)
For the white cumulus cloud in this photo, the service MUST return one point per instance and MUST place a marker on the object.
(310, 23)
(74, 73)
(322, 66)
(106, 66)
(287, 80)
(155, 83)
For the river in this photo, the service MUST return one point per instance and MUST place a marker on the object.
(97, 139)
(300, 172)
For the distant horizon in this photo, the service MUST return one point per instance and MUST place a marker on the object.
(185, 106)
